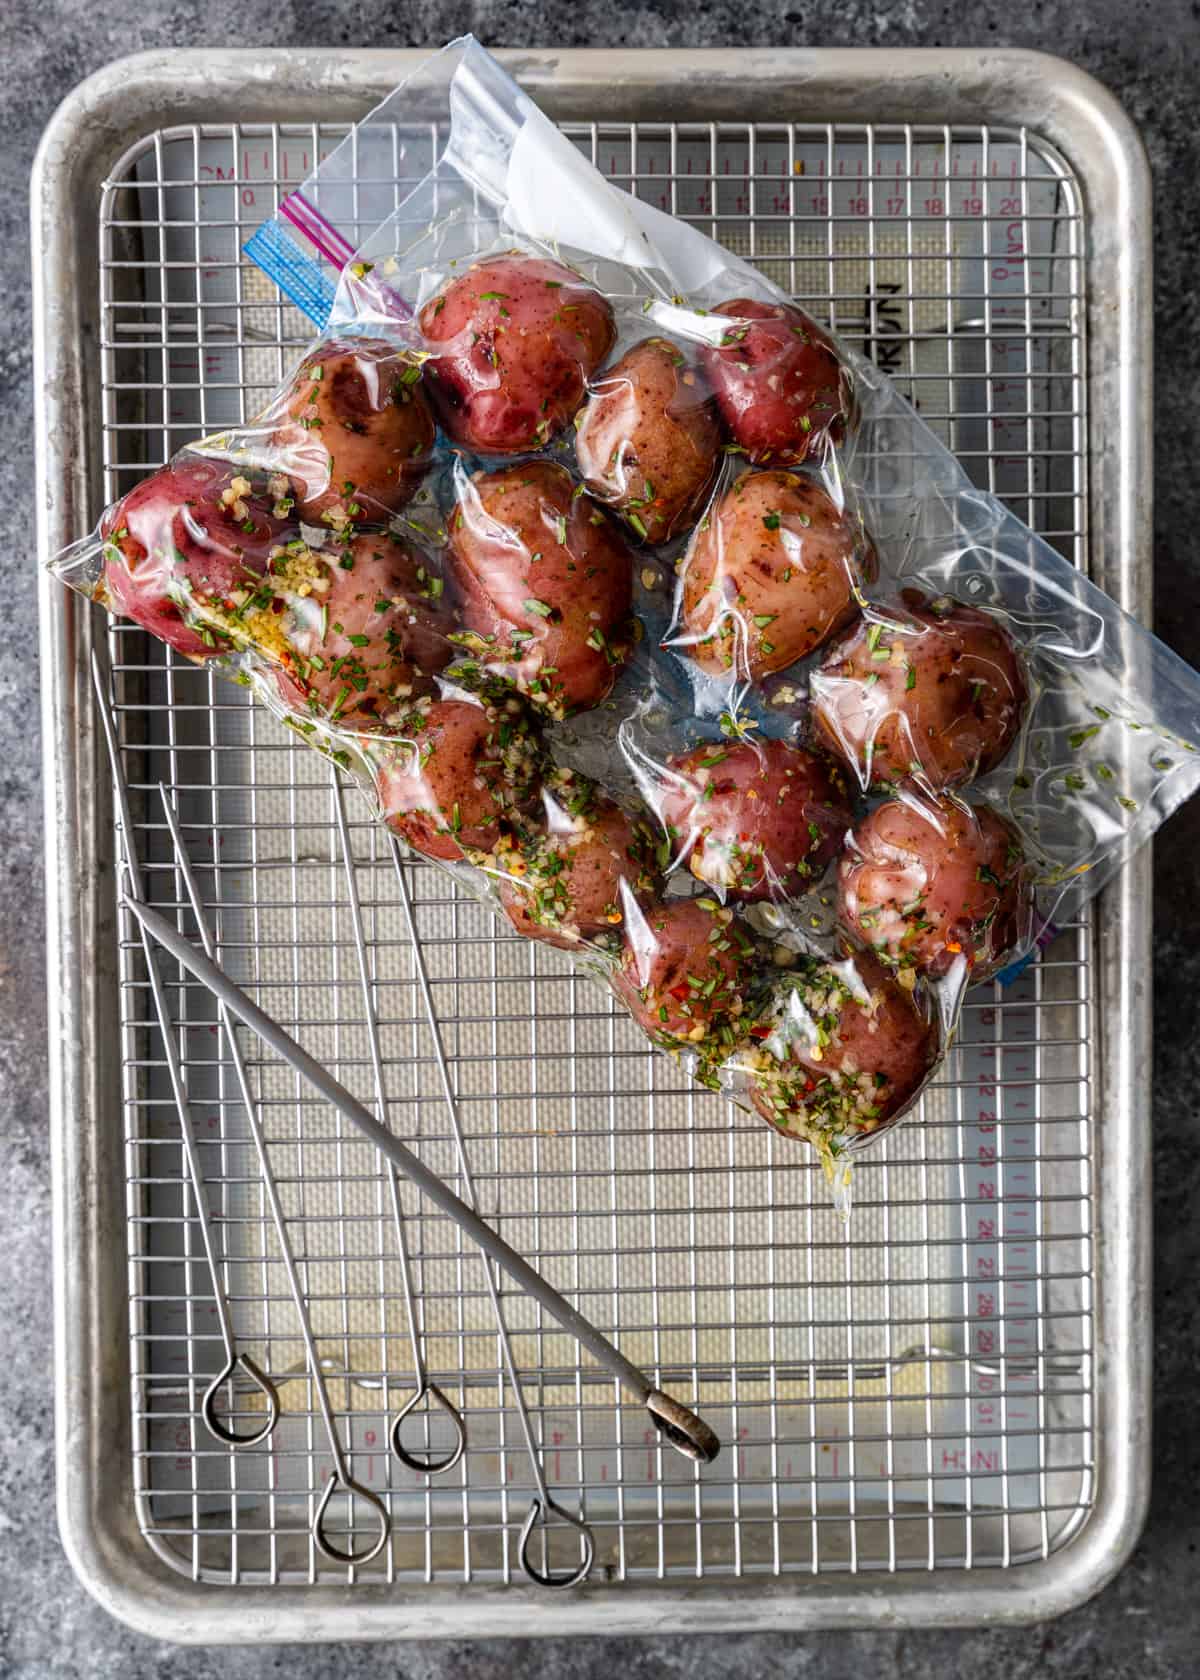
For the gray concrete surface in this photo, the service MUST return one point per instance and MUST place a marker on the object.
(1147, 1624)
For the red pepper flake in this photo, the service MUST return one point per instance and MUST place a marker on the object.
(682, 993)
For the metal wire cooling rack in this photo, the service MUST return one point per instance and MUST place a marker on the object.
(911, 1393)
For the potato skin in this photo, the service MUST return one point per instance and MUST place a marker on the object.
(355, 434)
(937, 695)
(671, 956)
(368, 635)
(456, 775)
(770, 575)
(928, 883)
(648, 441)
(515, 340)
(561, 877)
(842, 1047)
(545, 583)
(759, 819)
(185, 530)
(782, 389)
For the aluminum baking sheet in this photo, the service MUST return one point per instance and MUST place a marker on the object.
(915, 1395)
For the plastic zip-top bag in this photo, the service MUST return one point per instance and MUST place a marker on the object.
(647, 607)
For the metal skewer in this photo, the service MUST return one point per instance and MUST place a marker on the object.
(425, 1389)
(340, 1475)
(234, 1360)
(686, 1432)
(543, 1507)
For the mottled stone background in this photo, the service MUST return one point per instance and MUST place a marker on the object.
(1147, 1624)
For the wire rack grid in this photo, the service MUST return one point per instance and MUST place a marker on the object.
(910, 1392)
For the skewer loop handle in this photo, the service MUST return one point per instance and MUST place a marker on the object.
(260, 1380)
(429, 1466)
(543, 1512)
(354, 1490)
(686, 1432)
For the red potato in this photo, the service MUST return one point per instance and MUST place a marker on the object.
(180, 544)
(364, 629)
(783, 391)
(682, 973)
(545, 582)
(933, 692)
(355, 434)
(515, 340)
(927, 884)
(647, 440)
(840, 1048)
(770, 575)
(562, 878)
(456, 774)
(759, 819)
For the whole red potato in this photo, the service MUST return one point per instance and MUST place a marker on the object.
(647, 439)
(354, 436)
(562, 877)
(931, 691)
(770, 575)
(930, 883)
(841, 1047)
(181, 545)
(456, 773)
(683, 971)
(515, 339)
(363, 632)
(545, 584)
(755, 819)
(782, 389)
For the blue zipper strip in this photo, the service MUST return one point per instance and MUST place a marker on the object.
(301, 278)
